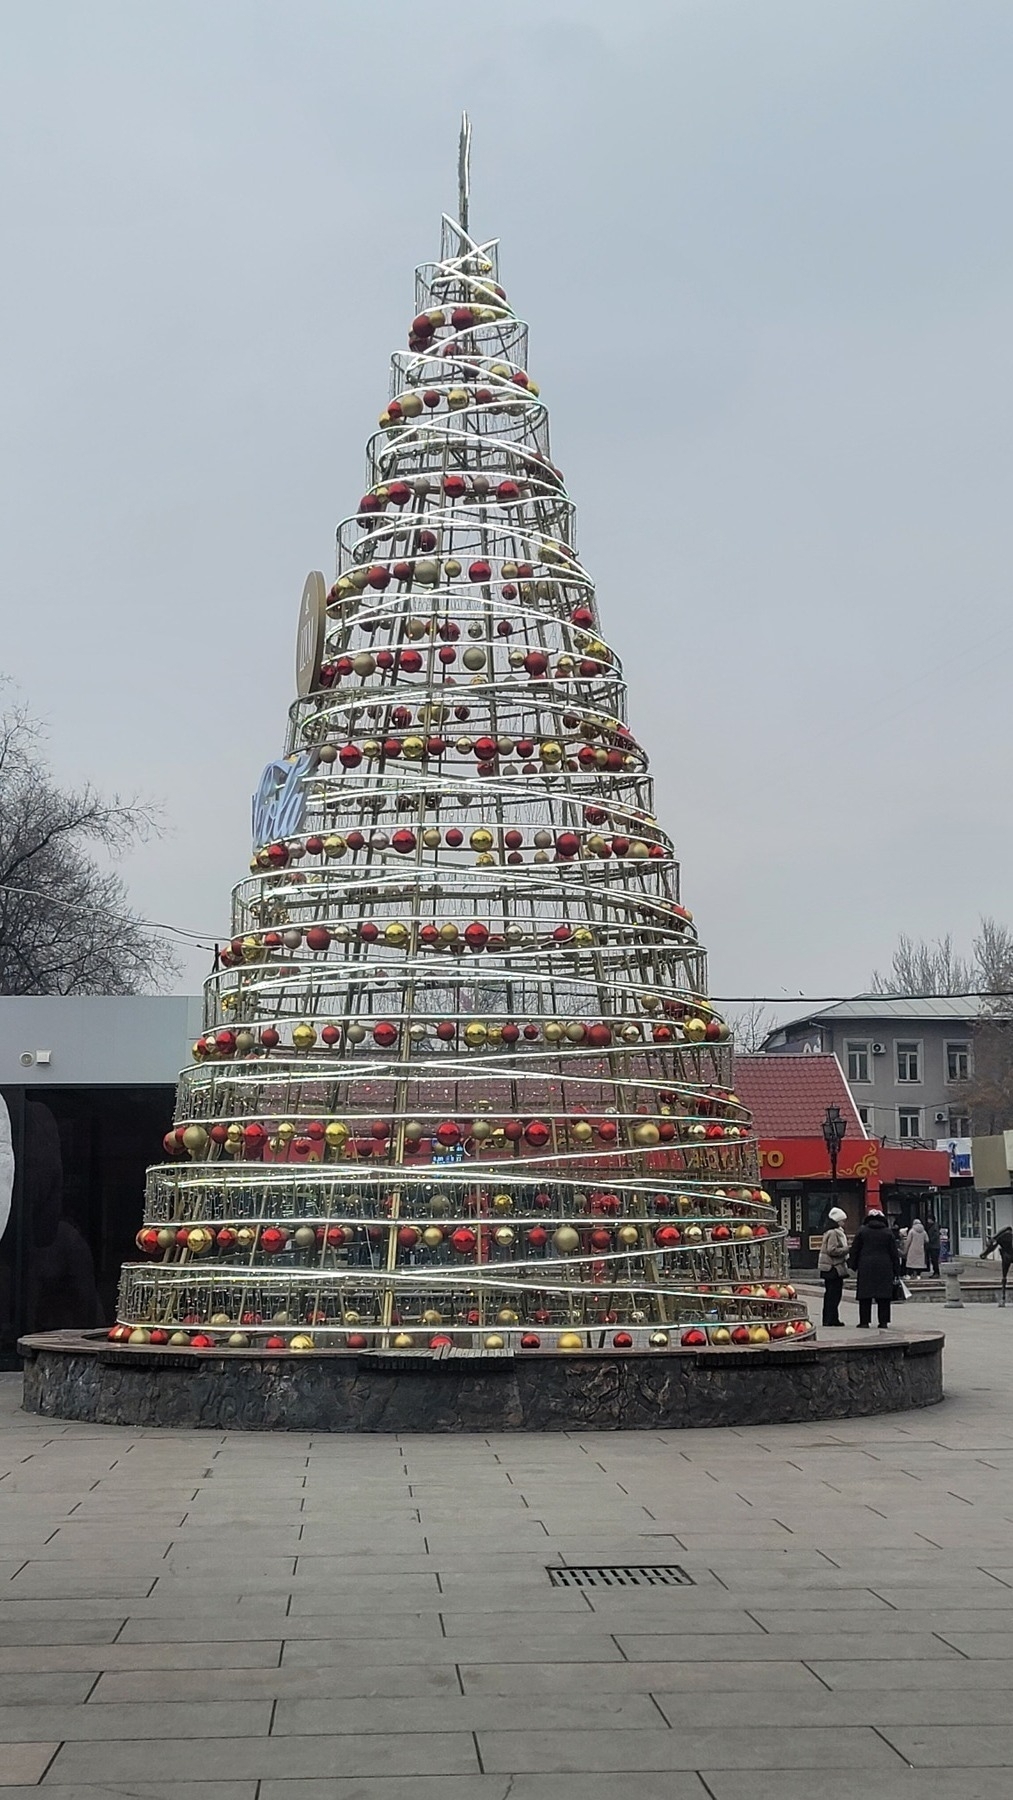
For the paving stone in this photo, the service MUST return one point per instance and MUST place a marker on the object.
(200, 1719)
(591, 1711)
(239, 1758)
(350, 1681)
(257, 1653)
(24, 1763)
(726, 1747)
(688, 1675)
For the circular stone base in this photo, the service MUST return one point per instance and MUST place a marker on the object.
(74, 1375)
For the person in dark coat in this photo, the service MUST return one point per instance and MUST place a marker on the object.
(932, 1248)
(876, 1262)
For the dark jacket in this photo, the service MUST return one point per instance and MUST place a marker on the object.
(874, 1258)
(932, 1232)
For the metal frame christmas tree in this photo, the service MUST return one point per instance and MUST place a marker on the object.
(460, 1087)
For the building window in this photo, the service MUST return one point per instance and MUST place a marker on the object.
(866, 1114)
(909, 1061)
(909, 1121)
(959, 1123)
(858, 1062)
(958, 1062)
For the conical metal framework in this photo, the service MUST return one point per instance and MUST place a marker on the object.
(460, 1085)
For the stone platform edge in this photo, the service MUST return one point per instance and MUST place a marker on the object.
(81, 1376)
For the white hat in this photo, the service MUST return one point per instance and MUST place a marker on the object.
(838, 1215)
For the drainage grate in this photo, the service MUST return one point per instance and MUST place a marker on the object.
(620, 1575)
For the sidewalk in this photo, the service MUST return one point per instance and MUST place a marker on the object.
(239, 1617)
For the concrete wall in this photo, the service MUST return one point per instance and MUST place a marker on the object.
(97, 1040)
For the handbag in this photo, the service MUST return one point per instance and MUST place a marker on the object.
(901, 1291)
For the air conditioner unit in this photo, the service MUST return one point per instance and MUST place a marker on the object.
(941, 1118)
(879, 1049)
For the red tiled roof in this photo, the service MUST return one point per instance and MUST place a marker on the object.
(789, 1095)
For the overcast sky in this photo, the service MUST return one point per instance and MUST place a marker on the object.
(764, 249)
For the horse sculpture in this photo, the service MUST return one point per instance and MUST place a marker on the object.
(1003, 1242)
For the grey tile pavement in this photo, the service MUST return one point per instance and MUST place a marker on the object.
(240, 1617)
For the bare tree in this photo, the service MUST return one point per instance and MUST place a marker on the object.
(918, 967)
(751, 1025)
(65, 925)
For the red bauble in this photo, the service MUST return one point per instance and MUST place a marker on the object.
(391, 747)
(455, 838)
(537, 1133)
(314, 845)
(369, 932)
(270, 1038)
(693, 1338)
(276, 1343)
(568, 843)
(740, 1334)
(407, 1237)
(448, 1133)
(608, 1131)
(600, 1239)
(330, 1035)
(201, 1340)
(350, 756)
(507, 490)
(485, 748)
(378, 576)
(399, 491)
(510, 1033)
(622, 1341)
(530, 1341)
(667, 1237)
(462, 317)
(446, 1031)
(454, 485)
(476, 935)
(356, 1340)
(403, 841)
(536, 662)
(582, 616)
(411, 662)
(531, 1032)
(463, 1240)
(317, 937)
(599, 1036)
(479, 571)
(720, 1233)
(272, 1240)
(538, 1237)
(385, 1034)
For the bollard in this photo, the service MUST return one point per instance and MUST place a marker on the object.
(951, 1282)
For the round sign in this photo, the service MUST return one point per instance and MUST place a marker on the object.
(309, 643)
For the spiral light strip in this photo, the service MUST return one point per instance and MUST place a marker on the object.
(460, 1086)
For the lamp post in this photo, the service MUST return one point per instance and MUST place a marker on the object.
(834, 1127)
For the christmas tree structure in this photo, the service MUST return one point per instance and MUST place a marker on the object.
(460, 1088)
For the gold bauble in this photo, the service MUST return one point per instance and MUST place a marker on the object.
(245, 1042)
(221, 1318)
(720, 1335)
(432, 1237)
(238, 1340)
(504, 1235)
(481, 838)
(334, 846)
(179, 1338)
(474, 658)
(432, 838)
(395, 934)
(583, 936)
(139, 1336)
(286, 1131)
(569, 1340)
(693, 1234)
(685, 1203)
(758, 1334)
(195, 1140)
(304, 1237)
(742, 1231)
(503, 1203)
(566, 1240)
(449, 933)
(507, 1316)
(166, 1238)
(481, 1130)
(550, 751)
(581, 1132)
(432, 1317)
(475, 1033)
(494, 1341)
(451, 568)
(304, 1036)
(646, 1135)
(246, 1237)
(413, 748)
(553, 1032)
(403, 1341)
(355, 1033)
(301, 1341)
(658, 1340)
(427, 572)
(199, 1240)
(335, 1133)
(694, 1030)
(364, 663)
(630, 1034)
(628, 1234)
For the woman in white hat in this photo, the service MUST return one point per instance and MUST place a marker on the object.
(833, 1261)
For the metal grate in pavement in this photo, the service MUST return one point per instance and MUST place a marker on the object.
(621, 1575)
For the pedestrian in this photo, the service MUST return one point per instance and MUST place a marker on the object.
(916, 1245)
(944, 1243)
(934, 1236)
(832, 1263)
(899, 1235)
(876, 1262)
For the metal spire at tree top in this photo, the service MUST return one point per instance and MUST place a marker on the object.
(464, 171)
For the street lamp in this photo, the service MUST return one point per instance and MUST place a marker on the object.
(834, 1127)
